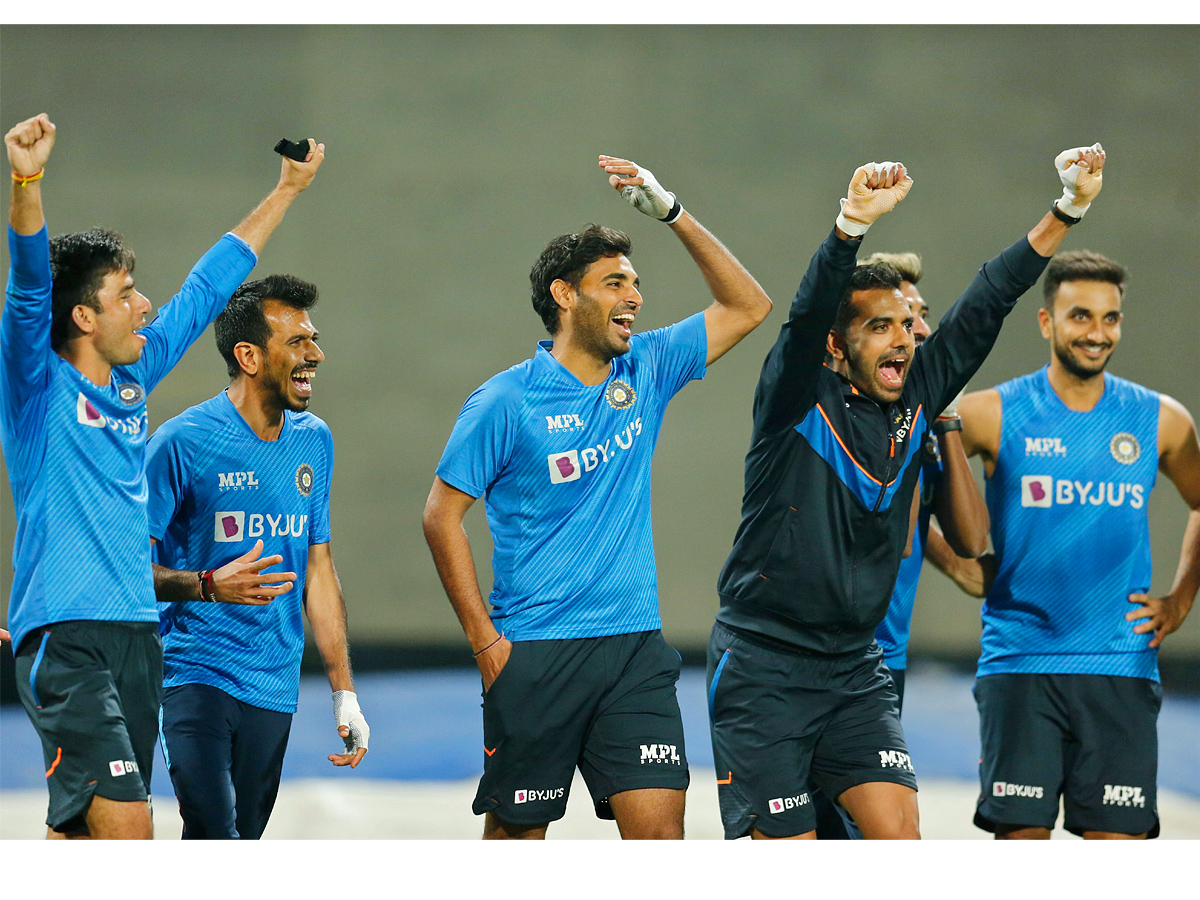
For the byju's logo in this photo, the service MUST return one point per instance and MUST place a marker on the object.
(1037, 490)
(563, 466)
(1007, 789)
(86, 414)
(119, 767)
(528, 796)
(783, 804)
(894, 759)
(228, 526)
(1045, 491)
(1123, 795)
(659, 754)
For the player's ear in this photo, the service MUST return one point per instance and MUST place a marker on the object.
(84, 318)
(1045, 322)
(563, 293)
(835, 345)
(249, 357)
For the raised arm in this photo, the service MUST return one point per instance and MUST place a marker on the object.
(326, 608)
(1179, 460)
(28, 144)
(787, 386)
(447, 539)
(968, 331)
(294, 177)
(739, 303)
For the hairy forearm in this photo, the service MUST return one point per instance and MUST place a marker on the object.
(731, 285)
(456, 567)
(257, 227)
(326, 609)
(959, 506)
(25, 208)
(1187, 575)
(1047, 235)
(173, 585)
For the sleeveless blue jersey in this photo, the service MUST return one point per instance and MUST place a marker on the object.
(892, 632)
(565, 471)
(1068, 501)
(215, 488)
(76, 451)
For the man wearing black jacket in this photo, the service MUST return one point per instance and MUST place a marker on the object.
(797, 688)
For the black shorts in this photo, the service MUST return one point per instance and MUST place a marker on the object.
(782, 721)
(92, 691)
(605, 704)
(225, 758)
(1093, 739)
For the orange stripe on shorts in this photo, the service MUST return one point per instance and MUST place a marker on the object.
(57, 760)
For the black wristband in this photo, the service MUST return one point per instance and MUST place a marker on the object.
(208, 592)
(675, 213)
(1062, 216)
(941, 426)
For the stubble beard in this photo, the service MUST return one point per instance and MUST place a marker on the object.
(1071, 364)
(592, 330)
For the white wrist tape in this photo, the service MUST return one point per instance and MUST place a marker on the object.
(854, 229)
(1067, 166)
(346, 712)
(651, 198)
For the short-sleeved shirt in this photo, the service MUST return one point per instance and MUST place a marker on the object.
(76, 451)
(215, 489)
(564, 468)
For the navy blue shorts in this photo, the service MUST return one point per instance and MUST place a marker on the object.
(225, 758)
(1091, 739)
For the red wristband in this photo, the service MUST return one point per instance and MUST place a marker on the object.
(208, 593)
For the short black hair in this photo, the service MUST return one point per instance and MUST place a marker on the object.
(243, 319)
(868, 277)
(79, 263)
(568, 257)
(1081, 265)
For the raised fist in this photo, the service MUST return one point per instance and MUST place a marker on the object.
(874, 190)
(29, 143)
(299, 175)
(1081, 171)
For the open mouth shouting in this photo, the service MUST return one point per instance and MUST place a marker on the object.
(302, 381)
(891, 372)
(624, 324)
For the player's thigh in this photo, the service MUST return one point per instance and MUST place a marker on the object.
(766, 710)
(1024, 740)
(198, 723)
(259, 743)
(139, 681)
(883, 810)
(1111, 786)
(66, 685)
(119, 820)
(635, 741)
(535, 715)
(649, 813)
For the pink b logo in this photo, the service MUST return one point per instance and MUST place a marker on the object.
(1037, 491)
(564, 466)
(229, 523)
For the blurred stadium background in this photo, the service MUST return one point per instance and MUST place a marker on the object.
(454, 155)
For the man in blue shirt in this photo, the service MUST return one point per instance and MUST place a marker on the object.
(77, 364)
(1067, 684)
(248, 468)
(575, 669)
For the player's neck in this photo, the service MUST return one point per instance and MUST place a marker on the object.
(1076, 393)
(264, 418)
(580, 362)
(90, 364)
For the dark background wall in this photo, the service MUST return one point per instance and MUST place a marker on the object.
(455, 153)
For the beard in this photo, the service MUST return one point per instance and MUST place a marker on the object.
(277, 391)
(591, 330)
(1082, 371)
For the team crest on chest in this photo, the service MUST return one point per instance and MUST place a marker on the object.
(620, 395)
(1125, 448)
(304, 479)
(130, 394)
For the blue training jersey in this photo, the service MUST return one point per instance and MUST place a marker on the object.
(565, 471)
(215, 488)
(76, 452)
(892, 633)
(1068, 499)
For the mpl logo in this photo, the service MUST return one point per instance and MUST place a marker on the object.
(1037, 490)
(659, 754)
(1007, 789)
(565, 422)
(1123, 795)
(119, 767)
(1044, 447)
(894, 759)
(236, 481)
(528, 796)
(783, 804)
(564, 467)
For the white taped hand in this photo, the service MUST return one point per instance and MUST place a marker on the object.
(346, 713)
(651, 198)
(1076, 179)
(864, 204)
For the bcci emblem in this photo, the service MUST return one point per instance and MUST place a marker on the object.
(304, 479)
(1124, 448)
(130, 394)
(620, 395)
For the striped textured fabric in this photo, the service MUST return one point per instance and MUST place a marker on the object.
(215, 489)
(1068, 502)
(565, 470)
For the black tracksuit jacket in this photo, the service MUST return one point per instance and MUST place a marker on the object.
(830, 474)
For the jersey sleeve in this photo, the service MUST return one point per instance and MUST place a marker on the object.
(484, 434)
(168, 477)
(679, 353)
(25, 322)
(203, 296)
(318, 522)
